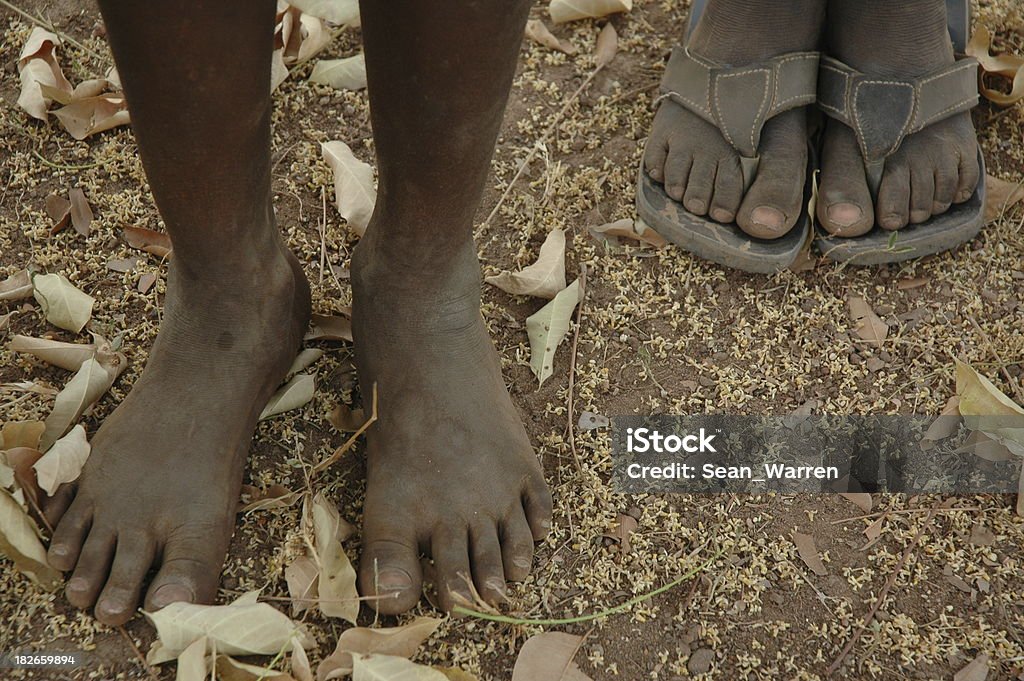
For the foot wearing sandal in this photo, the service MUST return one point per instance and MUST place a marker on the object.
(931, 169)
(699, 163)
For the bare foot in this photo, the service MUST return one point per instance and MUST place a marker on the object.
(934, 168)
(162, 483)
(450, 470)
(698, 167)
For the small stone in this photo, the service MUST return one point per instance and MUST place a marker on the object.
(700, 661)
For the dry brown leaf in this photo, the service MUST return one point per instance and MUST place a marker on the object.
(874, 530)
(946, 423)
(548, 656)
(627, 229)
(81, 212)
(538, 32)
(569, 10)
(146, 282)
(1004, 65)
(157, 243)
(21, 460)
(21, 434)
(607, 46)
(90, 115)
(1000, 197)
(302, 577)
(38, 67)
(230, 669)
(391, 668)
(621, 531)
(62, 462)
(354, 192)
(62, 302)
(297, 392)
(547, 327)
(346, 419)
(123, 265)
(869, 326)
(982, 446)
(985, 408)
(18, 286)
(59, 210)
(300, 665)
(544, 278)
(19, 541)
(193, 663)
(338, 596)
(92, 380)
(861, 500)
(304, 360)
(456, 674)
(329, 327)
(981, 535)
(912, 283)
(301, 35)
(338, 12)
(278, 69)
(808, 553)
(976, 669)
(591, 421)
(400, 641)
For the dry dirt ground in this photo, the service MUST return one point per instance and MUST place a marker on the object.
(660, 332)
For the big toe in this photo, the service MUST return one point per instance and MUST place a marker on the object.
(844, 206)
(774, 201)
(189, 572)
(389, 572)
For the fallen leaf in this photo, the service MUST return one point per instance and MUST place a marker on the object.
(861, 500)
(91, 381)
(808, 553)
(19, 541)
(21, 461)
(354, 193)
(1000, 196)
(1005, 65)
(81, 212)
(344, 74)
(157, 243)
(591, 421)
(548, 656)
(304, 360)
(329, 327)
(956, 581)
(982, 446)
(243, 627)
(292, 395)
(64, 355)
(456, 674)
(539, 33)
(338, 596)
(985, 408)
(390, 668)
(230, 669)
(301, 35)
(302, 576)
(278, 69)
(62, 462)
(621, 531)
(569, 10)
(193, 663)
(146, 282)
(607, 46)
(346, 419)
(64, 305)
(59, 210)
(300, 665)
(869, 326)
(123, 264)
(627, 229)
(400, 641)
(981, 535)
(544, 278)
(976, 669)
(912, 283)
(18, 286)
(90, 115)
(38, 66)
(21, 434)
(547, 327)
(339, 12)
(946, 423)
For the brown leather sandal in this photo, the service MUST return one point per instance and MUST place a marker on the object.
(882, 112)
(738, 101)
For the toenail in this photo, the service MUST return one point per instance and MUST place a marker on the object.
(964, 195)
(172, 593)
(696, 206)
(655, 174)
(114, 604)
(721, 215)
(393, 579)
(546, 524)
(495, 584)
(78, 584)
(768, 217)
(59, 550)
(892, 222)
(521, 563)
(844, 214)
(939, 208)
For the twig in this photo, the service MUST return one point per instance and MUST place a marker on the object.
(901, 511)
(351, 441)
(838, 662)
(999, 360)
(138, 653)
(555, 122)
(571, 407)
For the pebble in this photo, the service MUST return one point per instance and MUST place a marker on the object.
(700, 661)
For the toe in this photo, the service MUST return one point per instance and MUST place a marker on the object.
(728, 191)
(389, 573)
(677, 172)
(922, 193)
(516, 546)
(844, 205)
(120, 596)
(654, 158)
(946, 177)
(56, 506)
(488, 572)
(772, 205)
(700, 184)
(970, 175)
(69, 535)
(189, 570)
(893, 207)
(537, 504)
(92, 569)
(450, 550)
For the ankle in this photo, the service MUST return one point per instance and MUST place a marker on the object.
(739, 32)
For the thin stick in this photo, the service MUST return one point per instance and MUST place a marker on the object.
(351, 441)
(138, 654)
(902, 511)
(999, 360)
(571, 407)
(838, 662)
